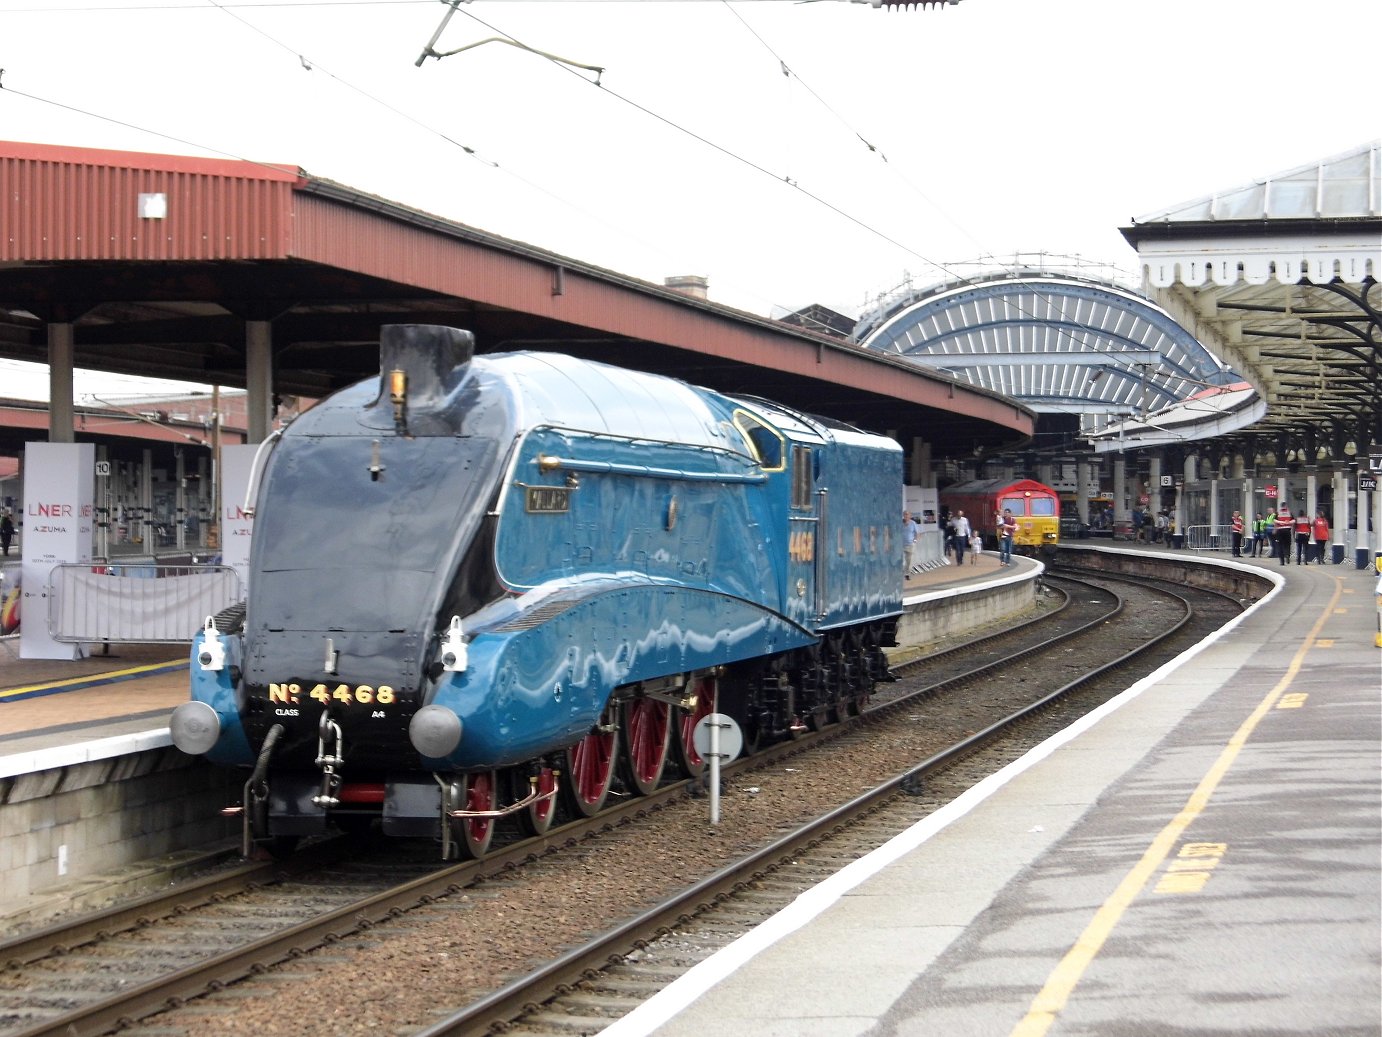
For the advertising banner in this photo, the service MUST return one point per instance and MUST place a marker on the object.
(924, 504)
(236, 526)
(59, 515)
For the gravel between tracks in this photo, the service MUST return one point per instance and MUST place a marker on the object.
(398, 980)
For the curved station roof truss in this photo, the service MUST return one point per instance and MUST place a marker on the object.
(1061, 344)
(1261, 319)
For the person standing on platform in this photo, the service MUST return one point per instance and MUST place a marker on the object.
(1007, 529)
(909, 542)
(1302, 530)
(6, 531)
(1260, 525)
(1321, 532)
(1236, 525)
(1281, 534)
(960, 529)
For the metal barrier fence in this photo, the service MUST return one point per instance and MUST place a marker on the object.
(1220, 538)
(1209, 538)
(141, 602)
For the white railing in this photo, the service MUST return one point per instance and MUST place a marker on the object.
(140, 602)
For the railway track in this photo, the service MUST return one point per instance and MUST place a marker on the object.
(44, 991)
(591, 987)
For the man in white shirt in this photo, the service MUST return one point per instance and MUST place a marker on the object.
(960, 539)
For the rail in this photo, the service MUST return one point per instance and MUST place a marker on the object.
(142, 602)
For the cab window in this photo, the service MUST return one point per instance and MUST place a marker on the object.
(764, 442)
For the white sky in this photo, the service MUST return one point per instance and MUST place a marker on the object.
(1007, 125)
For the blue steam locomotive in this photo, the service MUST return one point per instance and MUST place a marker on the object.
(493, 585)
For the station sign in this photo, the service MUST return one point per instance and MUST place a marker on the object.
(1269, 492)
(1367, 482)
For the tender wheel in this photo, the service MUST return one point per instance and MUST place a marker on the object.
(538, 817)
(590, 772)
(476, 792)
(843, 706)
(755, 734)
(800, 721)
(849, 676)
(647, 728)
(692, 763)
(863, 687)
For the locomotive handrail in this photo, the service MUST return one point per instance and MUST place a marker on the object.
(746, 459)
(257, 469)
(549, 462)
(822, 574)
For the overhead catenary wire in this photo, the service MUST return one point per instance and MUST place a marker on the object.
(723, 150)
(961, 280)
(310, 64)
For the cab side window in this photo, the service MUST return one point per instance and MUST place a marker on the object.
(764, 441)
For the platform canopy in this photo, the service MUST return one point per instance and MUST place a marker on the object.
(234, 273)
(1278, 277)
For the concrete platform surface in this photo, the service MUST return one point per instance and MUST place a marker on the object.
(1203, 856)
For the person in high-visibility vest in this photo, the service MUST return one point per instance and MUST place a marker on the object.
(1302, 530)
(1281, 533)
(1262, 535)
(1321, 531)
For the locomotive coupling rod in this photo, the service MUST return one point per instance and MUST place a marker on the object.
(532, 797)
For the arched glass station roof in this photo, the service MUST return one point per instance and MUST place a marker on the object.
(1061, 344)
(1259, 318)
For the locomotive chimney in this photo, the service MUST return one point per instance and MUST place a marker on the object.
(423, 361)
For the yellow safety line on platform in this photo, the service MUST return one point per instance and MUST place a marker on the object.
(92, 678)
(1052, 999)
